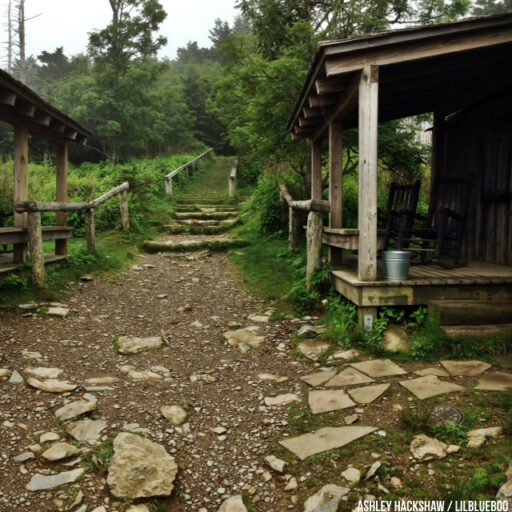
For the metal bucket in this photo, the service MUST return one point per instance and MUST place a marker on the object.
(396, 265)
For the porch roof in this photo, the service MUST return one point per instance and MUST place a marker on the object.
(20, 106)
(443, 68)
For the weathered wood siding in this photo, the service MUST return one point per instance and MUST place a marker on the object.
(479, 142)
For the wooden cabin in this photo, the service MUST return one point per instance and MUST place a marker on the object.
(462, 73)
(29, 114)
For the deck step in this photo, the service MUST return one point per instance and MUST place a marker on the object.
(478, 331)
(471, 312)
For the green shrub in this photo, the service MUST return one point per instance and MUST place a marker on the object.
(341, 321)
(266, 205)
(303, 299)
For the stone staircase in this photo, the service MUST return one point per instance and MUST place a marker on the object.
(203, 215)
(474, 318)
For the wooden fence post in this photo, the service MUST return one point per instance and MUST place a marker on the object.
(90, 232)
(293, 228)
(35, 236)
(168, 186)
(125, 214)
(314, 244)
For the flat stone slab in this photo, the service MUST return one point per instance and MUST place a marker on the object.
(495, 381)
(58, 311)
(271, 377)
(325, 439)
(379, 368)
(44, 373)
(439, 372)
(331, 400)
(428, 386)
(312, 349)
(101, 381)
(285, 399)
(59, 451)
(249, 336)
(319, 378)
(368, 394)
(86, 430)
(349, 377)
(466, 368)
(51, 385)
(477, 437)
(75, 409)
(131, 345)
(43, 482)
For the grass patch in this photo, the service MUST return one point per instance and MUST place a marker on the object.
(99, 458)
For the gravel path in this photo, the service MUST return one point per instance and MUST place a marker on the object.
(215, 382)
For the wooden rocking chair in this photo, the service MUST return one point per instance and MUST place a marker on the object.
(445, 228)
(400, 214)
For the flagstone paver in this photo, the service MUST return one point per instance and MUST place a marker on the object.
(325, 439)
(495, 381)
(330, 400)
(367, 394)
(319, 378)
(439, 372)
(349, 377)
(466, 368)
(429, 386)
(379, 368)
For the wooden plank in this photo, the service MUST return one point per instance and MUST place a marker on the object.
(20, 235)
(61, 247)
(20, 185)
(368, 127)
(316, 170)
(421, 49)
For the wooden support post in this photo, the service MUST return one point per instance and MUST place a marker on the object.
(35, 236)
(335, 186)
(293, 228)
(125, 213)
(90, 231)
(314, 244)
(20, 185)
(232, 186)
(168, 186)
(61, 246)
(316, 169)
(368, 124)
(366, 316)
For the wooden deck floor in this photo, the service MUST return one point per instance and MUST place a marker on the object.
(6, 264)
(477, 280)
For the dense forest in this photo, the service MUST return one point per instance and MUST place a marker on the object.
(235, 96)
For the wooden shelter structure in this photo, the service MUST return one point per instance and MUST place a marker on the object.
(462, 73)
(29, 114)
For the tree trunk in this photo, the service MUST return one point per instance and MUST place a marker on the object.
(9, 37)
(21, 36)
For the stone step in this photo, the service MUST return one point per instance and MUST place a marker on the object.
(205, 215)
(186, 245)
(478, 331)
(199, 229)
(471, 312)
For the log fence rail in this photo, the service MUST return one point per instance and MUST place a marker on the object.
(35, 230)
(189, 167)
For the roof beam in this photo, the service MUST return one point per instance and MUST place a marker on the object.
(42, 118)
(346, 106)
(452, 44)
(330, 85)
(312, 112)
(310, 121)
(8, 98)
(322, 101)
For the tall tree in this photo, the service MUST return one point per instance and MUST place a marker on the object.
(484, 7)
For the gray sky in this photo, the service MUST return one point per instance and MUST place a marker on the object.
(67, 22)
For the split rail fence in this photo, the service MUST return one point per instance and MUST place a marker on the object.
(314, 229)
(189, 167)
(35, 233)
